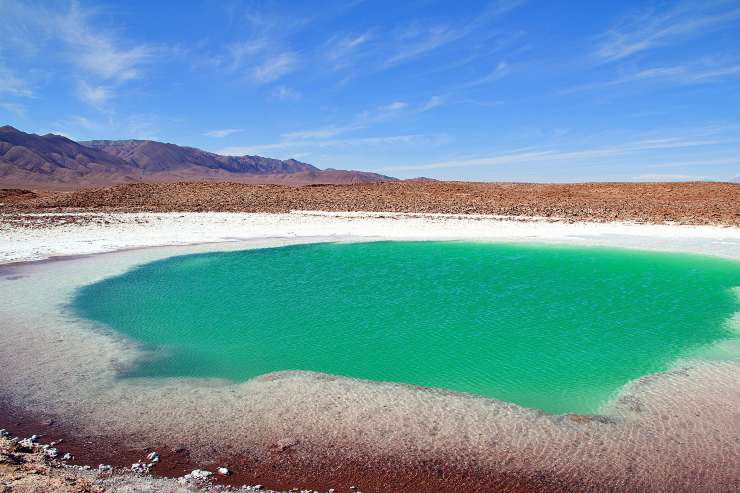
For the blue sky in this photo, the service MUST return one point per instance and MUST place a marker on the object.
(505, 90)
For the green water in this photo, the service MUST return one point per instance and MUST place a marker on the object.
(560, 329)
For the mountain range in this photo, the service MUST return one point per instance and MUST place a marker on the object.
(56, 162)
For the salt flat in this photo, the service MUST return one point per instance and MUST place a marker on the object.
(25, 237)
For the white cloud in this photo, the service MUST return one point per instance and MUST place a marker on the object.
(697, 162)
(265, 54)
(342, 51)
(668, 177)
(550, 155)
(275, 67)
(81, 121)
(362, 120)
(434, 102)
(287, 145)
(381, 113)
(17, 109)
(225, 132)
(416, 41)
(98, 53)
(97, 96)
(285, 93)
(659, 27)
(243, 52)
(701, 72)
(319, 133)
(12, 85)
(501, 70)
(71, 34)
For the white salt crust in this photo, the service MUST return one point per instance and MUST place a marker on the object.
(675, 431)
(156, 229)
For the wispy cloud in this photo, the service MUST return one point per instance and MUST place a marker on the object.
(656, 27)
(697, 162)
(73, 35)
(15, 108)
(340, 51)
(362, 120)
(294, 146)
(702, 72)
(551, 155)
(134, 126)
(259, 59)
(418, 40)
(225, 132)
(265, 55)
(501, 70)
(80, 122)
(414, 42)
(12, 85)
(434, 102)
(275, 67)
(97, 96)
(98, 53)
(285, 93)
(668, 177)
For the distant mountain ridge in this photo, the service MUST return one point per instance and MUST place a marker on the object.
(56, 162)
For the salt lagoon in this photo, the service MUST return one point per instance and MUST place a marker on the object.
(667, 431)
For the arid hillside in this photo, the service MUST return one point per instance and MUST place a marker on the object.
(54, 162)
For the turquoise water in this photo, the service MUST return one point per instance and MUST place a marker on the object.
(560, 329)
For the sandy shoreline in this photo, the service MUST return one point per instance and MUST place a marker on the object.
(314, 428)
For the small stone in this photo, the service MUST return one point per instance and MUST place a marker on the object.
(139, 468)
(67, 456)
(26, 443)
(286, 443)
(105, 468)
(200, 474)
(153, 457)
(51, 452)
(224, 471)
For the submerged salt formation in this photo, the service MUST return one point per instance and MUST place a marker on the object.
(674, 431)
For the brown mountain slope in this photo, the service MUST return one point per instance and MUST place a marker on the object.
(152, 156)
(55, 162)
(30, 159)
